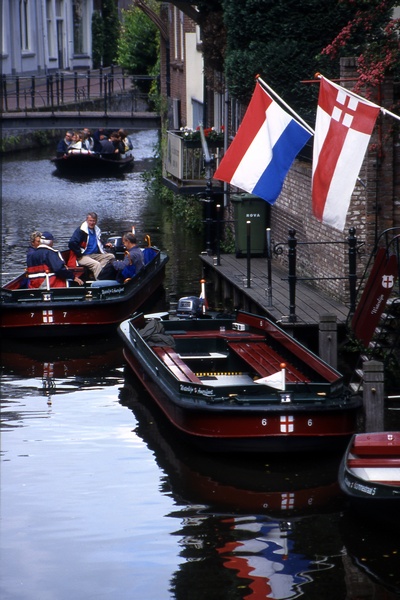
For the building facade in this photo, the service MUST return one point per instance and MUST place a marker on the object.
(41, 36)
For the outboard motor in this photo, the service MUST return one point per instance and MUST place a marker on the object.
(190, 307)
(118, 248)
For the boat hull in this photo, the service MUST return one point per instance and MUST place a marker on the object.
(369, 475)
(254, 424)
(92, 164)
(78, 310)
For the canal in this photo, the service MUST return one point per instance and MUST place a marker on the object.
(100, 499)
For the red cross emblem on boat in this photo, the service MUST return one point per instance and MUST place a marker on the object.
(287, 500)
(287, 423)
(47, 316)
(387, 281)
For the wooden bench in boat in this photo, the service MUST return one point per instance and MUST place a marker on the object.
(214, 333)
(265, 361)
(175, 364)
(379, 444)
(375, 462)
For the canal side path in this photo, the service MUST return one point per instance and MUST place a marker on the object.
(230, 280)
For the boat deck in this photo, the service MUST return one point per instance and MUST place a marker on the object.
(227, 357)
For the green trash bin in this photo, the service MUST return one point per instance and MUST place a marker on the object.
(248, 207)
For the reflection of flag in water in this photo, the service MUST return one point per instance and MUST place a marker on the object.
(263, 149)
(342, 132)
(263, 553)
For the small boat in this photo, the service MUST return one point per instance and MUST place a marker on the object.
(92, 164)
(240, 384)
(94, 308)
(369, 474)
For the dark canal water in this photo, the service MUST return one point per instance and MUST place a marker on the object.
(99, 499)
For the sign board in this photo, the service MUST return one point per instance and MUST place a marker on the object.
(375, 295)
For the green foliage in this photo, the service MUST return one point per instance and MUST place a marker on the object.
(281, 40)
(372, 34)
(138, 45)
(111, 26)
(97, 39)
(105, 34)
(187, 209)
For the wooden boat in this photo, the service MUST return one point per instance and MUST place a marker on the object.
(92, 164)
(240, 385)
(94, 308)
(369, 474)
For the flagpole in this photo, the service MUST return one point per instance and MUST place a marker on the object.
(383, 110)
(266, 86)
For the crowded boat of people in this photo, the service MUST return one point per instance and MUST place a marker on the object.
(103, 153)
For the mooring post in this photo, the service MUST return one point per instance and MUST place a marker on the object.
(373, 395)
(328, 347)
(352, 241)
(248, 231)
(292, 243)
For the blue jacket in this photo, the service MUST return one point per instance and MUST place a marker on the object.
(47, 256)
(78, 241)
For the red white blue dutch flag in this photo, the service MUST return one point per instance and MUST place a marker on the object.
(264, 148)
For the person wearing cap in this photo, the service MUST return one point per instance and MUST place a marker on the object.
(46, 266)
(86, 244)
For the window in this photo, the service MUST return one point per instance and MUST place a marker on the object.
(24, 24)
(50, 28)
(79, 21)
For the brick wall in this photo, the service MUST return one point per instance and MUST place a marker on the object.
(375, 206)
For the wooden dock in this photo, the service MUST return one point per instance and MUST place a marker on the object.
(230, 280)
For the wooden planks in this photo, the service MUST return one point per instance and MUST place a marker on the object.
(175, 364)
(309, 303)
(266, 361)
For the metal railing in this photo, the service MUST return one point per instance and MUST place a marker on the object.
(77, 90)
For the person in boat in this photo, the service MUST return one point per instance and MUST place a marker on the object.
(133, 261)
(47, 268)
(86, 244)
(35, 241)
(125, 140)
(98, 137)
(64, 144)
(77, 145)
(88, 141)
(112, 146)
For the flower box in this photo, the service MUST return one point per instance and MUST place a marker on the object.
(184, 158)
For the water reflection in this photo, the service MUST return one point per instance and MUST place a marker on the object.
(101, 500)
(259, 527)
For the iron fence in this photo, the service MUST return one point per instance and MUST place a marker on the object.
(76, 90)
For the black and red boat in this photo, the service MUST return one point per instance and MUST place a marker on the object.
(240, 384)
(92, 164)
(369, 475)
(94, 308)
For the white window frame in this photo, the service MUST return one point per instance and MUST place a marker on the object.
(24, 23)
